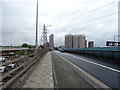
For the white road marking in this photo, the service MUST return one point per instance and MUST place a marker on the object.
(96, 64)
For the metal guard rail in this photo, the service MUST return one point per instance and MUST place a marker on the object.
(27, 65)
(107, 53)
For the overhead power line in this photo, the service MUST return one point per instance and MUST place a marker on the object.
(76, 11)
(94, 19)
(98, 18)
(86, 26)
(96, 9)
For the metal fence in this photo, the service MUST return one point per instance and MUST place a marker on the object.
(21, 69)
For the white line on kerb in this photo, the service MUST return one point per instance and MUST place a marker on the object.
(96, 64)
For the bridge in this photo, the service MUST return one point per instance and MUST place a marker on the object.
(74, 68)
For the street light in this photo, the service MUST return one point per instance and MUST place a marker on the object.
(36, 39)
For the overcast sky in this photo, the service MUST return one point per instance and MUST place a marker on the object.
(97, 19)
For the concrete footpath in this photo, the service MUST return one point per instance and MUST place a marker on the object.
(42, 77)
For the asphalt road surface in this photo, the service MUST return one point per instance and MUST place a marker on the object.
(66, 76)
(106, 72)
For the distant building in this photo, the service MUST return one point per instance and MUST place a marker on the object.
(75, 41)
(81, 41)
(85, 43)
(90, 44)
(46, 45)
(51, 41)
(69, 41)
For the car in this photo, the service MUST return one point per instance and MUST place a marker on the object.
(61, 50)
(2, 69)
(11, 65)
(2, 59)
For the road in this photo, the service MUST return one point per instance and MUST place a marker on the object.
(66, 76)
(106, 72)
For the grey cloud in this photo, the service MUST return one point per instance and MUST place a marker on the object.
(19, 22)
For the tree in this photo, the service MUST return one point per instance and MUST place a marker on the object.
(24, 45)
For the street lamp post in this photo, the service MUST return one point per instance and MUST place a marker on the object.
(36, 39)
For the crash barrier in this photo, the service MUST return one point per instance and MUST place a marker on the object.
(112, 53)
(23, 68)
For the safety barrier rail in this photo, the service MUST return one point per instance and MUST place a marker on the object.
(22, 68)
(112, 53)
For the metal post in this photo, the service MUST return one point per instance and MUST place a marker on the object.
(36, 40)
(25, 52)
(114, 38)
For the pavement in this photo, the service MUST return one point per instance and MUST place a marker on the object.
(42, 77)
